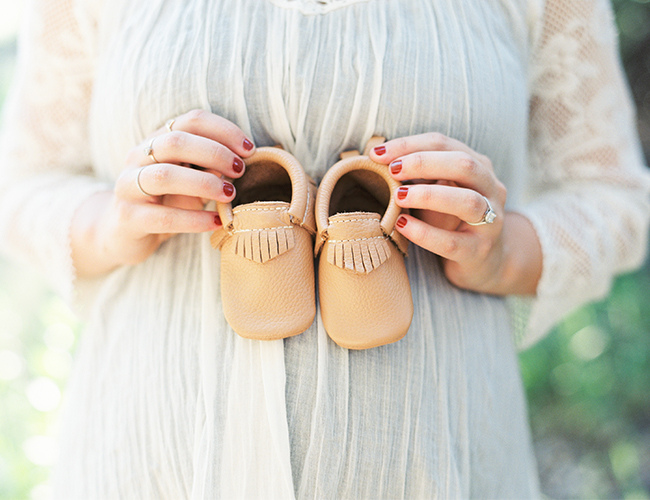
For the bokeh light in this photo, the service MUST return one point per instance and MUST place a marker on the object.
(43, 394)
(589, 342)
(41, 450)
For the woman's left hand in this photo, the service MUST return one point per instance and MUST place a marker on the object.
(449, 188)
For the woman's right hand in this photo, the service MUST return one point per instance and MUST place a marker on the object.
(125, 226)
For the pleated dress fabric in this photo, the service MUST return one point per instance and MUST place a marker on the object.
(166, 401)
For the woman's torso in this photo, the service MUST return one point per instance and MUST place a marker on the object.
(438, 414)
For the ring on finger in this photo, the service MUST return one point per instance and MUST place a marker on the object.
(137, 182)
(488, 216)
(149, 151)
(169, 123)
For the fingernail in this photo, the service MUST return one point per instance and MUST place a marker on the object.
(396, 167)
(217, 220)
(401, 222)
(248, 145)
(237, 165)
(228, 189)
(402, 192)
(380, 150)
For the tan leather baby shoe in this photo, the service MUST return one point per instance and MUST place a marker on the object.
(267, 265)
(364, 291)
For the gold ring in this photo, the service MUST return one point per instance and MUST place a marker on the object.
(137, 182)
(149, 151)
(169, 123)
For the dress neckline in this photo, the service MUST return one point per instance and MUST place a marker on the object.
(312, 7)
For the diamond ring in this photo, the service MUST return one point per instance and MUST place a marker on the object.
(488, 216)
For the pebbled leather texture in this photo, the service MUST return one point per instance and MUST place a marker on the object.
(267, 266)
(364, 290)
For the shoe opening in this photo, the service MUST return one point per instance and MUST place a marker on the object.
(360, 191)
(263, 181)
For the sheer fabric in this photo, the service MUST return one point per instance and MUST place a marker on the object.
(310, 7)
(166, 401)
(582, 146)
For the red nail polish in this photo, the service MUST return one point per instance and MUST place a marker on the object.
(228, 189)
(217, 220)
(248, 145)
(396, 167)
(402, 192)
(401, 222)
(380, 150)
(238, 165)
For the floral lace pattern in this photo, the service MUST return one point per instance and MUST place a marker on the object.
(312, 7)
(582, 147)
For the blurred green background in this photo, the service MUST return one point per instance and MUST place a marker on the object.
(588, 382)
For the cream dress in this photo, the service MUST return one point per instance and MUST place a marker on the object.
(166, 401)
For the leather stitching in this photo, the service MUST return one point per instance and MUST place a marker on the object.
(358, 239)
(351, 220)
(259, 209)
(261, 229)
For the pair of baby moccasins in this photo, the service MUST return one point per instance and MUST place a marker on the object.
(267, 251)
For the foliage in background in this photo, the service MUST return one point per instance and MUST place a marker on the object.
(37, 335)
(588, 382)
(588, 386)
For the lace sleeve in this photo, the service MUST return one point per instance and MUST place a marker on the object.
(44, 155)
(590, 188)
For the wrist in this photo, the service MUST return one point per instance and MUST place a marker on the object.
(90, 253)
(521, 267)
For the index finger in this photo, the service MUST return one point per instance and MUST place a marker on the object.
(206, 124)
(434, 141)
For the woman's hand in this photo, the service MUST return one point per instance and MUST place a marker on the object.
(449, 187)
(161, 192)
